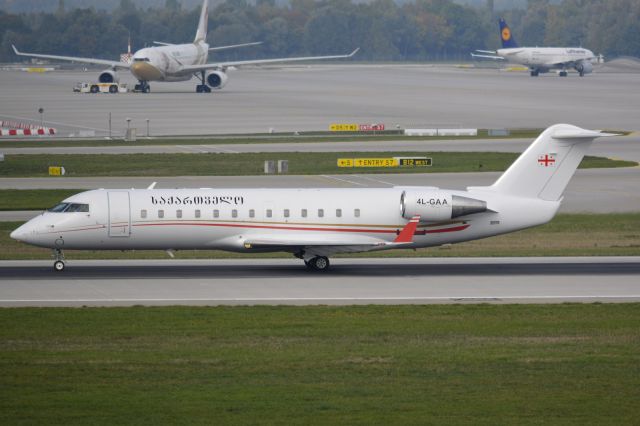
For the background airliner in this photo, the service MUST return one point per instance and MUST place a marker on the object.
(540, 59)
(314, 224)
(177, 62)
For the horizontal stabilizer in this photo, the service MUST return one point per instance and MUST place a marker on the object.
(580, 134)
(162, 43)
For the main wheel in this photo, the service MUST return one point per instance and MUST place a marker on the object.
(58, 266)
(319, 263)
(146, 89)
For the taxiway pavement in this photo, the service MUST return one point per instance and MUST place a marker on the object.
(350, 281)
(311, 97)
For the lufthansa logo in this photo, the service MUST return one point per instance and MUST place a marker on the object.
(506, 33)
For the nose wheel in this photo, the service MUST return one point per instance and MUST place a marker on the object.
(58, 264)
(143, 87)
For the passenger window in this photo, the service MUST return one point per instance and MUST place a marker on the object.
(179, 214)
(252, 213)
(143, 214)
(216, 213)
(160, 214)
(320, 212)
(234, 213)
(303, 212)
(286, 212)
(197, 214)
(338, 212)
(269, 213)
(356, 212)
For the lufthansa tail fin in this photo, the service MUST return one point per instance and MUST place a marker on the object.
(505, 35)
(201, 34)
(545, 168)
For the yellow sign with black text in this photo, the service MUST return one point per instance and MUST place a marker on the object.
(344, 127)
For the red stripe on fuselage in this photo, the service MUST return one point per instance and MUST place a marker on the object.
(297, 228)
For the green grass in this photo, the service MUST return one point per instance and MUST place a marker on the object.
(369, 365)
(33, 199)
(318, 136)
(253, 164)
(566, 235)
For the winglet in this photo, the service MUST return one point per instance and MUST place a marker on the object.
(353, 53)
(15, 49)
(407, 233)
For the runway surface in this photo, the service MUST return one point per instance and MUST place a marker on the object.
(350, 281)
(311, 97)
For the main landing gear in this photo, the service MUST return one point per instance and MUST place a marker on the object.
(58, 264)
(563, 73)
(142, 86)
(202, 88)
(318, 263)
(535, 73)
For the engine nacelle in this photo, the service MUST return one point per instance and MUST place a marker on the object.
(584, 67)
(434, 206)
(108, 76)
(217, 79)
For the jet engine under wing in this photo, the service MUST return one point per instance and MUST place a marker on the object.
(221, 65)
(111, 64)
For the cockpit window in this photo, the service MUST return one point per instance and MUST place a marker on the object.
(70, 208)
(141, 59)
(59, 208)
(83, 208)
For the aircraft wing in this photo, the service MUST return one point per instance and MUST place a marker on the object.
(494, 57)
(221, 65)
(111, 64)
(346, 243)
(233, 46)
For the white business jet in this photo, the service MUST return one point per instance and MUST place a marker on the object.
(177, 62)
(314, 224)
(540, 59)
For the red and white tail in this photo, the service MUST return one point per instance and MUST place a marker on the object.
(545, 168)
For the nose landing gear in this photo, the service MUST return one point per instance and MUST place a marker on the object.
(142, 86)
(58, 264)
(202, 88)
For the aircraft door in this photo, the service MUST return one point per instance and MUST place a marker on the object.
(119, 214)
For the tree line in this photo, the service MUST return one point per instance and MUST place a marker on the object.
(415, 30)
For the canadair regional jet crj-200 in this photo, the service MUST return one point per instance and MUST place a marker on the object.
(314, 224)
(540, 59)
(177, 62)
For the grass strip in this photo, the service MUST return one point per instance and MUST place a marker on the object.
(211, 164)
(570, 364)
(33, 199)
(301, 137)
(615, 234)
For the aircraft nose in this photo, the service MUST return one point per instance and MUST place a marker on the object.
(145, 71)
(19, 234)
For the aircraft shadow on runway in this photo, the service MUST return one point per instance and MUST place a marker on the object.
(345, 270)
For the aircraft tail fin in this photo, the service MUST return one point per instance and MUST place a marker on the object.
(201, 34)
(545, 168)
(505, 35)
